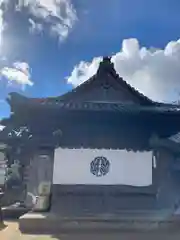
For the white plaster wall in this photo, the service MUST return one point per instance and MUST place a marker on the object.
(72, 166)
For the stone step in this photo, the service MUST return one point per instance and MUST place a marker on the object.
(51, 223)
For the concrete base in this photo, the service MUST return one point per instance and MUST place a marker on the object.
(10, 212)
(50, 223)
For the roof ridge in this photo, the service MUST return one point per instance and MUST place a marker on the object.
(113, 72)
(107, 65)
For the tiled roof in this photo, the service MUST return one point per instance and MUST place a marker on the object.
(175, 138)
(107, 66)
(55, 103)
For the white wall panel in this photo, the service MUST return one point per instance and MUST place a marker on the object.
(73, 166)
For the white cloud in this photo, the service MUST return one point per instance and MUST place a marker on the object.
(154, 72)
(19, 73)
(1, 20)
(83, 71)
(58, 14)
(35, 27)
(1, 25)
(1, 127)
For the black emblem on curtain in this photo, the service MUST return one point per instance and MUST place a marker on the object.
(100, 166)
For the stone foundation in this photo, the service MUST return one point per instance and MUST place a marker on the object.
(138, 221)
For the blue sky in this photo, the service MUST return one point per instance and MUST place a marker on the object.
(93, 29)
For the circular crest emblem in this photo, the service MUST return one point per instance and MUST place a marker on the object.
(100, 166)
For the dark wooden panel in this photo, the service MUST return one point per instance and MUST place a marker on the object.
(91, 201)
(102, 190)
